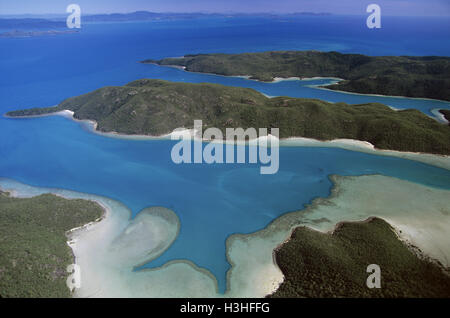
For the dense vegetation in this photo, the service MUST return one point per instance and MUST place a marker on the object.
(157, 107)
(34, 254)
(316, 264)
(427, 76)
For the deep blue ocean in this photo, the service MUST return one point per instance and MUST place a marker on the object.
(212, 201)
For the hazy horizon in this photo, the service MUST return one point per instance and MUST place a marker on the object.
(64, 14)
(342, 7)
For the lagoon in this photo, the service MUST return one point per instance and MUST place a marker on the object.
(212, 202)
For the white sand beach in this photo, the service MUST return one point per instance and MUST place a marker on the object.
(439, 116)
(107, 251)
(422, 214)
(281, 79)
(335, 80)
(441, 161)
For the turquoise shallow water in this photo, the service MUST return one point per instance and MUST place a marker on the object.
(212, 201)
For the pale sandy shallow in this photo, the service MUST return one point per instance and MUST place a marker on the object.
(281, 79)
(107, 250)
(441, 161)
(421, 213)
(439, 116)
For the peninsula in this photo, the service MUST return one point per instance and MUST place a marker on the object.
(34, 253)
(411, 76)
(317, 264)
(156, 107)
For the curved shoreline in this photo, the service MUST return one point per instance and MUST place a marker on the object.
(296, 78)
(324, 87)
(411, 231)
(441, 161)
(104, 231)
(254, 272)
(335, 80)
(436, 112)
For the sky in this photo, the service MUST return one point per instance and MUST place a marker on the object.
(388, 7)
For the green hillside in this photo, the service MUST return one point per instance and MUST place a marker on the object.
(427, 76)
(155, 107)
(34, 253)
(317, 264)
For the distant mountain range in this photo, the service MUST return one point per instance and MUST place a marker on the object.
(37, 22)
(28, 34)
(31, 24)
(145, 15)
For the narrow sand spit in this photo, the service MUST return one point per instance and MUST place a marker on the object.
(439, 116)
(420, 214)
(108, 251)
(441, 161)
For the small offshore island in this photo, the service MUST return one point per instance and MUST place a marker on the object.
(91, 183)
(411, 76)
(157, 107)
(312, 262)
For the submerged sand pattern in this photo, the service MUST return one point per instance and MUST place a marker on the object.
(109, 250)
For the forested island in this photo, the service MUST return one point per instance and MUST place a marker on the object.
(156, 107)
(317, 264)
(34, 253)
(411, 76)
